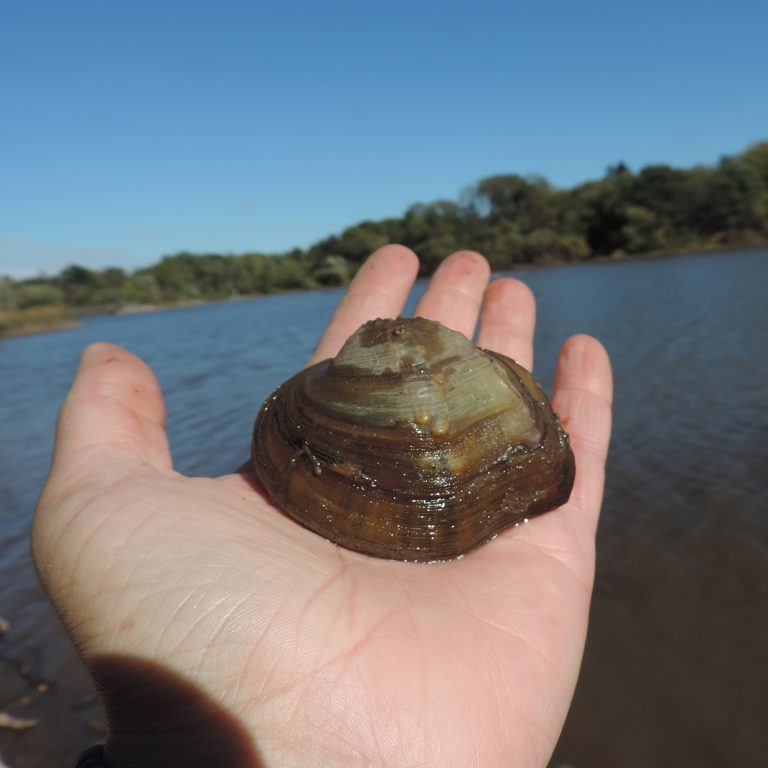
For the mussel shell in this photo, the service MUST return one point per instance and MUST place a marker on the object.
(412, 444)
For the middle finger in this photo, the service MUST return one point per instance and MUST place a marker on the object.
(508, 320)
(455, 292)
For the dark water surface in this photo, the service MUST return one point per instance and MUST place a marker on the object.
(676, 666)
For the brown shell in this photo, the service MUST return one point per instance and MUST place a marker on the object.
(412, 444)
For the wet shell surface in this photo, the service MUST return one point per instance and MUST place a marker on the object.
(412, 444)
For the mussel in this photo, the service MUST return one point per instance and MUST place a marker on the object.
(412, 444)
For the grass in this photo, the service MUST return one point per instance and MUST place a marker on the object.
(35, 319)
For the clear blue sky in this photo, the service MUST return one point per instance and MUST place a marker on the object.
(131, 130)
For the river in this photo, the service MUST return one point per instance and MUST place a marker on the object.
(676, 668)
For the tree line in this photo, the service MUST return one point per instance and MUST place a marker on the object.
(513, 220)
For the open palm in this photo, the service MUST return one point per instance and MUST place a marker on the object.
(311, 654)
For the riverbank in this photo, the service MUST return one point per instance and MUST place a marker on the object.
(25, 322)
(44, 319)
(20, 322)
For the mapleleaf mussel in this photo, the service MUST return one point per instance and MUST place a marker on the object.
(412, 444)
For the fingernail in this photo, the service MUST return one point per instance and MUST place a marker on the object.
(91, 354)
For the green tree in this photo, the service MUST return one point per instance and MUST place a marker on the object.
(79, 285)
(529, 202)
(332, 271)
(641, 232)
(37, 293)
(726, 198)
(437, 229)
(358, 242)
(603, 207)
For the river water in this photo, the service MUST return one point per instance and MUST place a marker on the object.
(676, 665)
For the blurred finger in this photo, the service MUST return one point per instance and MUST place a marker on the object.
(583, 395)
(455, 292)
(508, 320)
(114, 409)
(379, 289)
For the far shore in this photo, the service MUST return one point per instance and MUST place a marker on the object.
(64, 318)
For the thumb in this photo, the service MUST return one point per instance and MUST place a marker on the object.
(113, 413)
(111, 426)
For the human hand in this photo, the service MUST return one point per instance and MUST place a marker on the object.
(220, 632)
